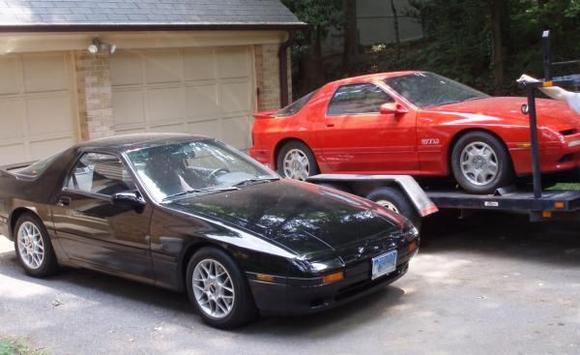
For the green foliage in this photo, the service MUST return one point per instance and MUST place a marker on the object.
(458, 39)
(13, 347)
(317, 13)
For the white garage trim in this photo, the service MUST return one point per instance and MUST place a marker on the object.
(40, 42)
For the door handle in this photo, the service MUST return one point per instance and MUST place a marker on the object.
(330, 125)
(64, 201)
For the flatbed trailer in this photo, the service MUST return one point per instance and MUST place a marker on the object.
(404, 195)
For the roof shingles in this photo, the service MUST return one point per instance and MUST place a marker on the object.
(25, 13)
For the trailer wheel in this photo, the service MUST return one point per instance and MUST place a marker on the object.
(396, 201)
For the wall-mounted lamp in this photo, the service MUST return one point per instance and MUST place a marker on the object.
(103, 47)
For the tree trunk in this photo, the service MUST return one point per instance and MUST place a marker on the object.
(350, 52)
(396, 28)
(497, 46)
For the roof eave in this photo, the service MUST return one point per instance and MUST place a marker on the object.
(114, 27)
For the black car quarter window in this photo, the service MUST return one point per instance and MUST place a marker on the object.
(100, 173)
(358, 98)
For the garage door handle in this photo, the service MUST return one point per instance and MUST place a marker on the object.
(64, 202)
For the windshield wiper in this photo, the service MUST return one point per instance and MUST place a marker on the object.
(256, 180)
(200, 191)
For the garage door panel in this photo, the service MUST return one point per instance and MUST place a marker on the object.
(10, 82)
(199, 64)
(202, 102)
(176, 127)
(233, 62)
(49, 114)
(166, 104)
(212, 128)
(126, 69)
(128, 130)
(41, 149)
(235, 97)
(12, 116)
(45, 72)
(37, 116)
(187, 89)
(128, 106)
(236, 131)
(12, 153)
(163, 67)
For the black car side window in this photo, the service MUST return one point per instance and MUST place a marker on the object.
(358, 98)
(100, 173)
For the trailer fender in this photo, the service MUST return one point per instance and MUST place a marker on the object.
(406, 183)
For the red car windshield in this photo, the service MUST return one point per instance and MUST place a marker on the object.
(428, 89)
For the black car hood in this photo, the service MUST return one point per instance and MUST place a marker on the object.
(306, 219)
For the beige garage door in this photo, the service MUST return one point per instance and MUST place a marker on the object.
(204, 91)
(36, 106)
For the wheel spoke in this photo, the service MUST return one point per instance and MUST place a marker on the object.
(224, 309)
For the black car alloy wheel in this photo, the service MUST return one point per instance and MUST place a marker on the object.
(219, 290)
(33, 247)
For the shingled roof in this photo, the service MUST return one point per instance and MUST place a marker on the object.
(147, 14)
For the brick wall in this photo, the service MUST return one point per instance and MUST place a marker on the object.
(93, 74)
(267, 77)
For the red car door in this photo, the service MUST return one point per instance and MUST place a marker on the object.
(356, 137)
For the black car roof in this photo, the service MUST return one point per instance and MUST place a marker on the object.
(123, 143)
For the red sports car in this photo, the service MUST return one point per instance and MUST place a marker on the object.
(415, 123)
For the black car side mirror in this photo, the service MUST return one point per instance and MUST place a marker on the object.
(128, 198)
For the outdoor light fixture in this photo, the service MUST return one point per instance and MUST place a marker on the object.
(99, 46)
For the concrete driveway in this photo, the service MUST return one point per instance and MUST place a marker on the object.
(491, 284)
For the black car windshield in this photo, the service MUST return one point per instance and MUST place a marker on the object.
(195, 167)
(427, 89)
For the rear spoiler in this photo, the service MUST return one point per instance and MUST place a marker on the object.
(265, 114)
(15, 166)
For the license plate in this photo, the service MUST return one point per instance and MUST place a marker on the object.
(383, 264)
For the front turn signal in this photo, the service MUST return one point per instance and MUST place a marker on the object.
(332, 278)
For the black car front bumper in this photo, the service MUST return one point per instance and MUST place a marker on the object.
(291, 298)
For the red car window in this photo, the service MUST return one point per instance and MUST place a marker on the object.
(358, 98)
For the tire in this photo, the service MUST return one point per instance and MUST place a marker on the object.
(242, 309)
(394, 200)
(492, 168)
(299, 149)
(30, 241)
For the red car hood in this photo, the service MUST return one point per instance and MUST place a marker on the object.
(551, 113)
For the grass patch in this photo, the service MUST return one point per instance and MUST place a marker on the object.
(566, 186)
(13, 347)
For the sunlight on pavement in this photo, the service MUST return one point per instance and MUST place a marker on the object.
(5, 244)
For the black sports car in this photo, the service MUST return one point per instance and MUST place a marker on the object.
(190, 213)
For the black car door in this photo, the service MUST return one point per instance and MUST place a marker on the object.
(93, 231)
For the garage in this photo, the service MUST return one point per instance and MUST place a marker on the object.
(204, 91)
(37, 106)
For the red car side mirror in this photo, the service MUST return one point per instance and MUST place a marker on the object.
(391, 108)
